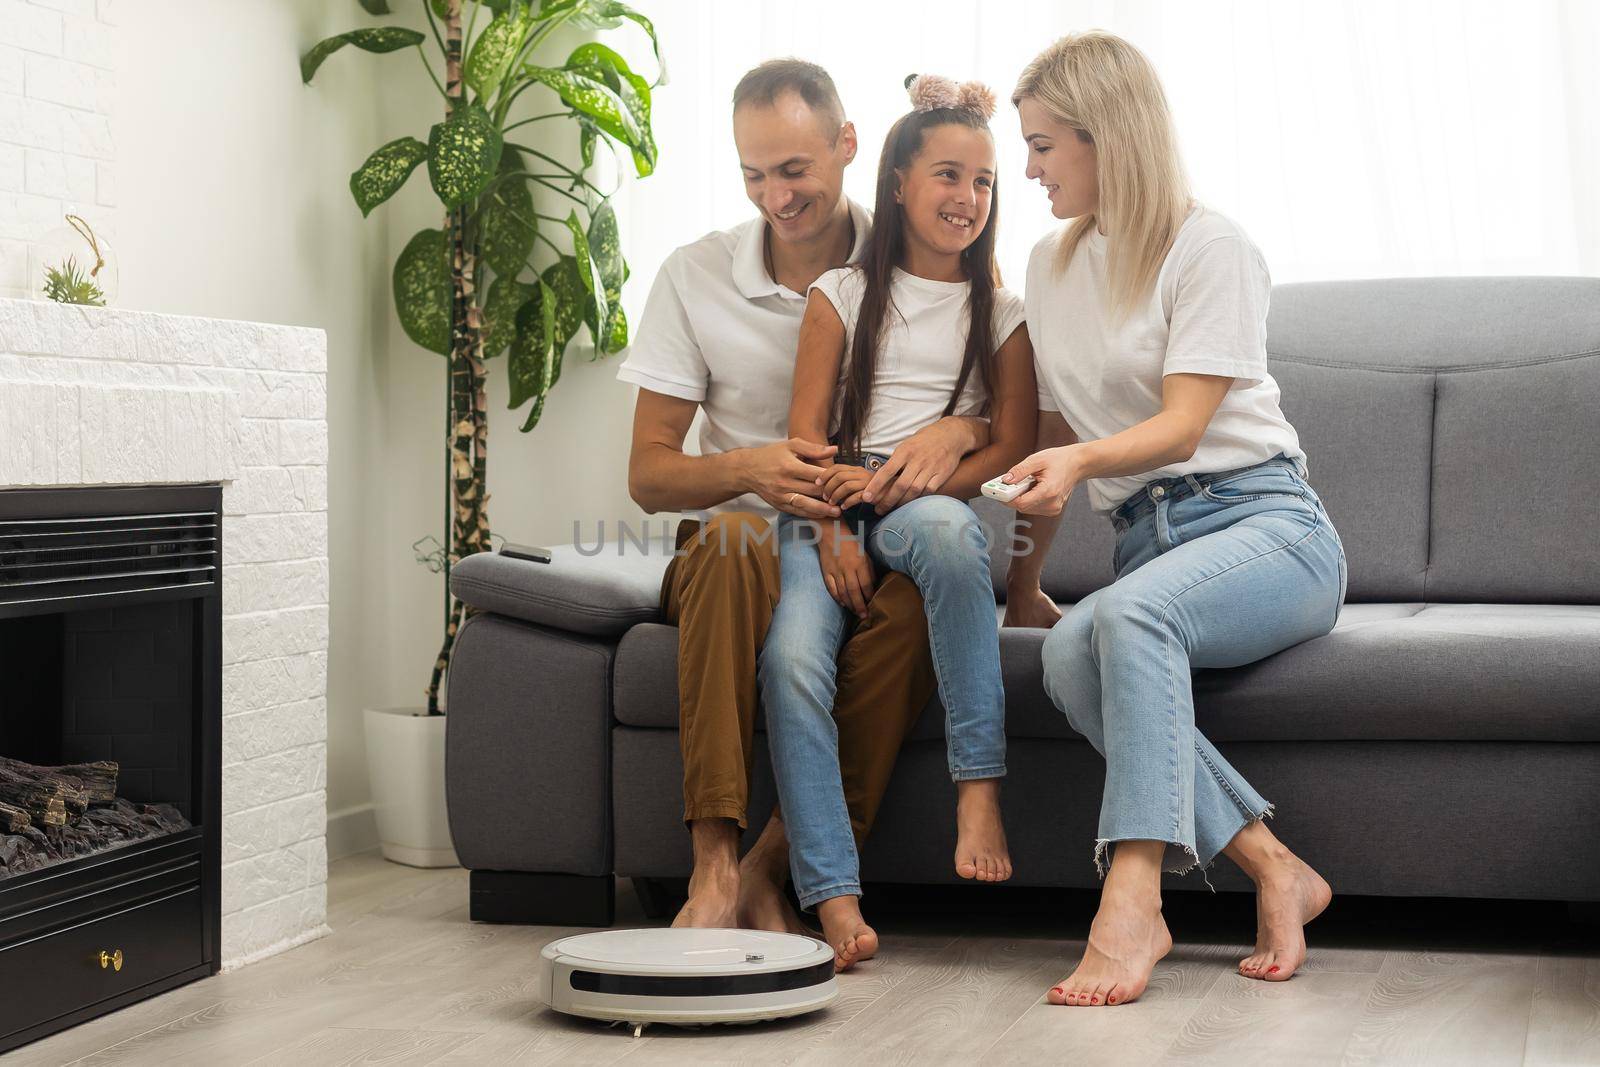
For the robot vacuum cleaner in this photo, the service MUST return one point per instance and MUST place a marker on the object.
(686, 977)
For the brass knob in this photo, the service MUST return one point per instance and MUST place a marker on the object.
(111, 959)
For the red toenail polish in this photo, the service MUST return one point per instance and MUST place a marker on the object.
(1272, 970)
(1111, 1000)
(1094, 1000)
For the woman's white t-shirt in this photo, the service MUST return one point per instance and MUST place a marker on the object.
(920, 357)
(1206, 315)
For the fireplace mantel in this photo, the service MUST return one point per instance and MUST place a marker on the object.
(104, 396)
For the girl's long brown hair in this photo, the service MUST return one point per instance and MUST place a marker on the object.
(883, 253)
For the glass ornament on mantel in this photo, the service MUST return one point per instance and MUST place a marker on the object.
(72, 265)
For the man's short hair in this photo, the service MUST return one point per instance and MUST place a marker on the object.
(764, 84)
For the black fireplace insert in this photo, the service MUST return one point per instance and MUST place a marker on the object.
(110, 749)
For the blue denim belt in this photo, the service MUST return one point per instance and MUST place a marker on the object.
(1185, 485)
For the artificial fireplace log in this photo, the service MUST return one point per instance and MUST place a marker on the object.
(13, 819)
(108, 826)
(48, 794)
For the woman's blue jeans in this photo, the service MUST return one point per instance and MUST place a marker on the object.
(939, 543)
(1212, 571)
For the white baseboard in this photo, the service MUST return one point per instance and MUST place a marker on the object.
(352, 830)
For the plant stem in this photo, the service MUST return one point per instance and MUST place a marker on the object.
(536, 118)
(554, 162)
(427, 9)
(429, 68)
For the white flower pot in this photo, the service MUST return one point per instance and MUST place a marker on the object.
(405, 760)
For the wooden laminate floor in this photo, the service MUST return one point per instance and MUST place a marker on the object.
(405, 978)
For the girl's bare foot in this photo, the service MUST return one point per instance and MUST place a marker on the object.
(981, 851)
(846, 932)
(764, 871)
(1126, 941)
(1289, 894)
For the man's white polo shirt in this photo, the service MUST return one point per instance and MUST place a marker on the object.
(718, 330)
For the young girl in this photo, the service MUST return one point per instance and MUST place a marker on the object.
(917, 331)
(1149, 316)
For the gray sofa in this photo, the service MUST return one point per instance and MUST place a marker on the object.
(1442, 741)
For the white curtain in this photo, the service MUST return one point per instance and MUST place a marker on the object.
(1351, 138)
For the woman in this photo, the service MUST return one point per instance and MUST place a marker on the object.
(1147, 315)
(918, 330)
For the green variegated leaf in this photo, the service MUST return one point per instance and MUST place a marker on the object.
(587, 132)
(385, 171)
(493, 52)
(506, 295)
(375, 39)
(603, 65)
(588, 270)
(508, 222)
(593, 98)
(605, 13)
(605, 245)
(463, 152)
(422, 290)
(534, 365)
(561, 277)
(615, 337)
(376, 7)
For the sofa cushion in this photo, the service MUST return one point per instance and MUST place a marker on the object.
(600, 589)
(1460, 672)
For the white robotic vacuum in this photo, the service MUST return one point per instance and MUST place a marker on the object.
(686, 977)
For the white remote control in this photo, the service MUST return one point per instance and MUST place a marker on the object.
(995, 489)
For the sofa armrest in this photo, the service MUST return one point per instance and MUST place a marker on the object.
(602, 593)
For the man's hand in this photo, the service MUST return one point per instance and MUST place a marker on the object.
(843, 483)
(846, 570)
(1030, 607)
(785, 474)
(920, 466)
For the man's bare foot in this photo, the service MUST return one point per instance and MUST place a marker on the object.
(1288, 896)
(763, 905)
(981, 851)
(714, 886)
(1126, 940)
(846, 932)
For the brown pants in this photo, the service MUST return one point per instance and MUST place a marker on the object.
(721, 590)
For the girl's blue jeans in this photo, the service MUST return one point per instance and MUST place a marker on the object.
(938, 542)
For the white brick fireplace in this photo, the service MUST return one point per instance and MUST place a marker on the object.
(94, 396)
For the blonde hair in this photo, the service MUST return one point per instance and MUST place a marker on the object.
(1100, 84)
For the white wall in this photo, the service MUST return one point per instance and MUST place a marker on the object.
(233, 202)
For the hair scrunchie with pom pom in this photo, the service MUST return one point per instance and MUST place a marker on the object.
(930, 92)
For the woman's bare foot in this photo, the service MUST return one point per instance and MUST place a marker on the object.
(1289, 894)
(1287, 898)
(1126, 941)
(981, 851)
(1128, 936)
(846, 932)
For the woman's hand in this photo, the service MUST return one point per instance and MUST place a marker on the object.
(1030, 607)
(842, 485)
(846, 570)
(1056, 473)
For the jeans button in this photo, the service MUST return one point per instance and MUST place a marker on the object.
(1157, 492)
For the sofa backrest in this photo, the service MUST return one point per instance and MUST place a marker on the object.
(1451, 426)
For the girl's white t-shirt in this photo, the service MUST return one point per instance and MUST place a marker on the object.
(1206, 315)
(920, 357)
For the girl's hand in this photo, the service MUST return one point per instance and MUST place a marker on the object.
(1030, 607)
(1056, 473)
(843, 484)
(846, 570)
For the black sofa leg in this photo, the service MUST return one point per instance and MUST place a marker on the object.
(542, 899)
(660, 898)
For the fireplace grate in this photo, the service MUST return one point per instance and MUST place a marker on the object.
(64, 559)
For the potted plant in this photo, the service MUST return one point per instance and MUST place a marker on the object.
(498, 277)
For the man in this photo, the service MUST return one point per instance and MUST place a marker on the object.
(718, 336)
